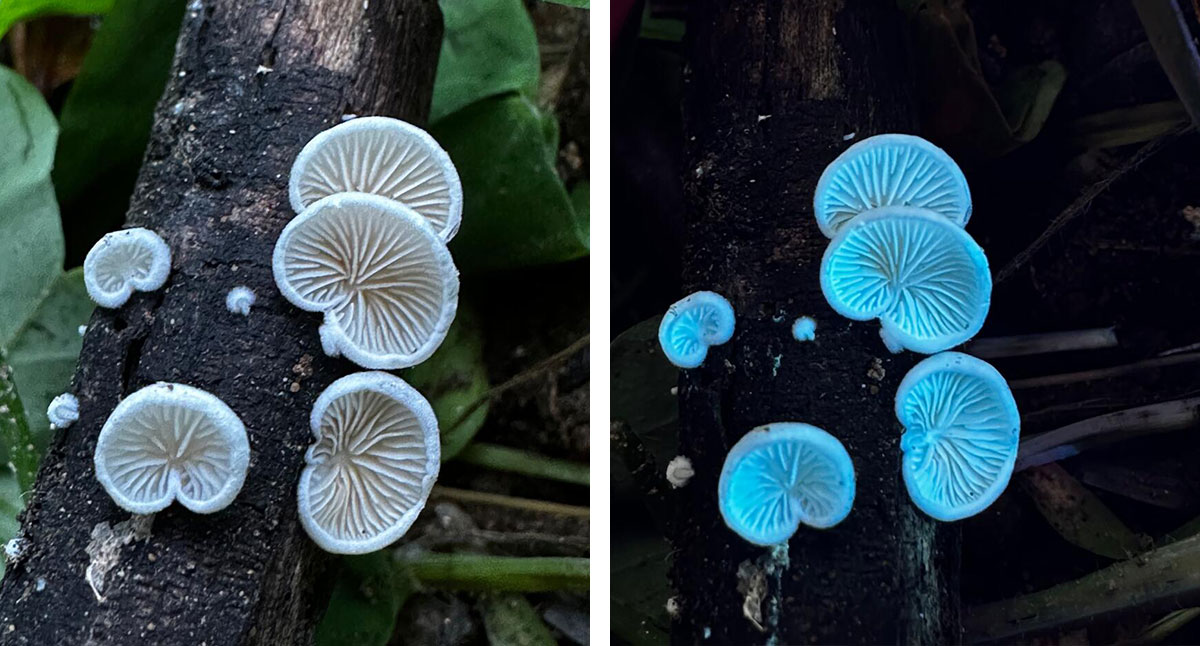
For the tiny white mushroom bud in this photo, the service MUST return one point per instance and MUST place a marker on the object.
(673, 607)
(14, 549)
(679, 471)
(239, 299)
(63, 411)
(82, 330)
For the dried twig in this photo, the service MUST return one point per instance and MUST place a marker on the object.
(1081, 204)
(1103, 373)
(1042, 343)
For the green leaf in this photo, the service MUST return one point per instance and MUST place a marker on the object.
(12, 11)
(1077, 514)
(1027, 96)
(503, 458)
(639, 589)
(362, 609)
(582, 4)
(10, 505)
(489, 48)
(453, 379)
(516, 211)
(14, 429)
(107, 116)
(44, 353)
(509, 620)
(488, 573)
(31, 247)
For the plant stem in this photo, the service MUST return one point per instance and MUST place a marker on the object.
(14, 429)
(1104, 373)
(499, 500)
(503, 458)
(1042, 343)
(485, 572)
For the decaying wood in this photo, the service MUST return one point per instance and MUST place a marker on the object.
(252, 82)
(775, 90)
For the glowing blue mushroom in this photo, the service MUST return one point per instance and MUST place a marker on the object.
(693, 324)
(804, 329)
(961, 434)
(782, 475)
(924, 278)
(890, 170)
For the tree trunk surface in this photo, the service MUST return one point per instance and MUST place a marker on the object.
(775, 90)
(252, 82)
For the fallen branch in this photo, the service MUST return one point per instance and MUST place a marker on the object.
(1072, 439)
(1044, 343)
(1161, 580)
(1104, 373)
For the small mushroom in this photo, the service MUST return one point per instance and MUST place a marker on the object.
(804, 329)
(384, 156)
(375, 459)
(961, 434)
(239, 300)
(923, 277)
(782, 475)
(890, 170)
(63, 411)
(693, 324)
(123, 261)
(170, 442)
(679, 471)
(384, 280)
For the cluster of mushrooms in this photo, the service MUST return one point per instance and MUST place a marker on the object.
(894, 207)
(377, 201)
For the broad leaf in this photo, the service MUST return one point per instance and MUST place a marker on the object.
(509, 620)
(362, 610)
(107, 116)
(44, 353)
(10, 506)
(639, 589)
(453, 380)
(489, 48)
(642, 382)
(12, 11)
(516, 211)
(1077, 514)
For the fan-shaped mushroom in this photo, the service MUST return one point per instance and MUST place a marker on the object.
(890, 170)
(123, 261)
(170, 442)
(781, 475)
(961, 434)
(384, 280)
(369, 473)
(693, 324)
(384, 156)
(239, 300)
(923, 277)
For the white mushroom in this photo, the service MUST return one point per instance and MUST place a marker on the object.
(384, 280)
(170, 442)
(123, 261)
(63, 411)
(369, 473)
(679, 471)
(384, 156)
(239, 299)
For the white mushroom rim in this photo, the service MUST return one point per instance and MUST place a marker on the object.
(384, 280)
(124, 261)
(386, 157)
(375, 459)
(170, 442)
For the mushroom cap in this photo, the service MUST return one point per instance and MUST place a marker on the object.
(693, 324)
(962, 430)
(890, 170)
(384, 280)
(804, 329)
(782, 475)
(924, 278)
(170, 442)
(375, 460)
(386, 157)
(123, 261)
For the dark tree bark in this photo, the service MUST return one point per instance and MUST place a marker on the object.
(252, 82)
(775, 90)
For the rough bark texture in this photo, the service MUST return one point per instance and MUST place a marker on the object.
(775, 91)
(214, 186)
